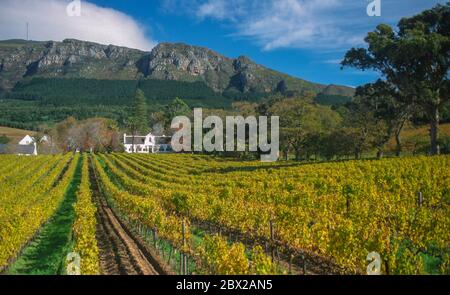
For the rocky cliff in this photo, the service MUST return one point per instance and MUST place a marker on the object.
(20, 60)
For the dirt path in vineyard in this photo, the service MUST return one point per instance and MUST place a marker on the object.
(120, 252)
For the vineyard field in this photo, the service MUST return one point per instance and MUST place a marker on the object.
(197, 214)
(334, 213)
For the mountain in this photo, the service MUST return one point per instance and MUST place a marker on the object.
(21, 61)
(190, 63)
(338, 90)
(45, 82)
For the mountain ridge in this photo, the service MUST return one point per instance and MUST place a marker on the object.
(22, 60)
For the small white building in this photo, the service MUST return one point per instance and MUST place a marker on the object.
(25, 147)
(45, 139)
(27, 150)
(147, 144)
(27, 140)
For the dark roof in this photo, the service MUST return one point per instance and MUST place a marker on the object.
(163, 140)
(17, 149)
(137, 140)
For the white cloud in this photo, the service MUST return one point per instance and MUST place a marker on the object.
(49, 21)
(216, 9)
(308, 24)
(285, 23)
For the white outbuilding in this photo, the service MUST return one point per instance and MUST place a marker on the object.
(27, 140)
(147, 144)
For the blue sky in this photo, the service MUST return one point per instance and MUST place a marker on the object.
(304, 38)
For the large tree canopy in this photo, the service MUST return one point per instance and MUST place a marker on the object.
(385, 104)
(414, 60)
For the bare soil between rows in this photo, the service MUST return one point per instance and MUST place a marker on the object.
(121, 253)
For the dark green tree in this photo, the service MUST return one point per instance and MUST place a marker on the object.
(4, 139)
(301, 123)
(138, 121)
(176, 108)
(414, 60)
(363, 126)
(388, 109)
(140, 112)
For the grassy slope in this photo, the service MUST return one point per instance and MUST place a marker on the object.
(15, 134)
(45, 255)
(414, 137)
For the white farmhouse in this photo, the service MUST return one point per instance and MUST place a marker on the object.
(27, 146)
(147, 144)
(27, 140)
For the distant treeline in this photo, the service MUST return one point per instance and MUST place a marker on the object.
(30, 115)
(50, 100)
(68, 92)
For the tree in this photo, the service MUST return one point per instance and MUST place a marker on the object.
(140, 111)
(339, 143)
(158, 123)
(388, 108)
(138, 121)
(293, 118)
(61, 131)
(46, 146)
(366, 129)
(95, 134)
(176, 108)
(245, 109)
(414, 60)
(133, 125)
(300, 123)
(4, 139)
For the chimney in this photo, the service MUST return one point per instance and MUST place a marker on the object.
(35, 149)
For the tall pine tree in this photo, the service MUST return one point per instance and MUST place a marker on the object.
(140, 112)
(138, 121)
